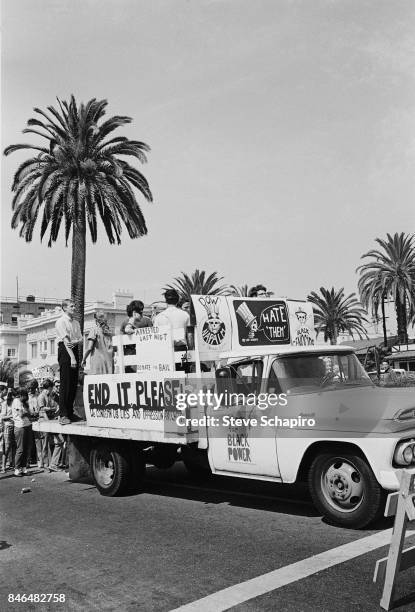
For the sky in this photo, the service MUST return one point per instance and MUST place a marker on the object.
(281, 134)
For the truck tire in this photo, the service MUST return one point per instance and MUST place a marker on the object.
(344, 489)
(196, 462)
(111, 469)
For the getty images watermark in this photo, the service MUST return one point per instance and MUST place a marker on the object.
(226, 400)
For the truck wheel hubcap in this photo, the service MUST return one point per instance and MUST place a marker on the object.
(104, 469)
(342, 485)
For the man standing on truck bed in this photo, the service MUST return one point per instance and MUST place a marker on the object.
(174, 316)
(68, 333)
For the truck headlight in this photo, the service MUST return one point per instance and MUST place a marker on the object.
(405, 453)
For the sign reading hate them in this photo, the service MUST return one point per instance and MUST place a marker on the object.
(261, 322)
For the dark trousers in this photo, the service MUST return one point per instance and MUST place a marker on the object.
(23, 437)
(68, 380)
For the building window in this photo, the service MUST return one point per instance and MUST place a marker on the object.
(11, 352)
(34, 350)
(44, 346)
(14, 318)
(52, 346)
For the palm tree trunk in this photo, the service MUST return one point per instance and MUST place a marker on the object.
(333, 337)
(385, 337)
(78, 269)
(401, 320)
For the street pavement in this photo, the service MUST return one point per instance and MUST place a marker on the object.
(174, 544)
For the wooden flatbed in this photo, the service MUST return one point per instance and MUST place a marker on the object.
(80, 428)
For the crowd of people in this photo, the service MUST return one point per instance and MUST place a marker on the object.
(21, 446)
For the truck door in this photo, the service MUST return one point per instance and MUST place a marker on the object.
(243, 447)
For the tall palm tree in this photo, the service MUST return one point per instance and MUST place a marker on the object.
(9, 368)
(335, 313)
(391, 272)
(198, 283)
(77, 177)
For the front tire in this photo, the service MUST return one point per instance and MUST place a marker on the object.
(344, 489)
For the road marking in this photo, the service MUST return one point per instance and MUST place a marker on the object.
(239, 593)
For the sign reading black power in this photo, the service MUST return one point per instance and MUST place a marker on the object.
(262, 323)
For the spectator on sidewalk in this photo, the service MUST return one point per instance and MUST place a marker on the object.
(22, 430)
(33, 393)
(45, 408)
(56, 450)
(8, 442)
(69, 337)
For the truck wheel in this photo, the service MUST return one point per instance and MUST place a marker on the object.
(110, 469)
(196, 462)
(344, 489)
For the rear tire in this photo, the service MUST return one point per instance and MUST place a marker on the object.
(344, 489)
(111, 469)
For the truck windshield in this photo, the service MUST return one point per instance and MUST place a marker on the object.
(317, 371)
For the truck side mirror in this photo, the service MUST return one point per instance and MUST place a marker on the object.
(225, 381)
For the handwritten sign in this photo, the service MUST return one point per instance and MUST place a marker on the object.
(213, 325)
(149, 349)
(301, 323)
(132, 401)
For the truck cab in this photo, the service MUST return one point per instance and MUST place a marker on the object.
(317, 417)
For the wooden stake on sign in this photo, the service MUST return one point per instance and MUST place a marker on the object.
(401, 505)
(117, 341)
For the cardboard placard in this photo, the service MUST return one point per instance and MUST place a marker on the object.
(132, 401)
(214, 329)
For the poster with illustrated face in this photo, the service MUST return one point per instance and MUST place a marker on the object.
(258, 322)
(214, 329)
(301, 323)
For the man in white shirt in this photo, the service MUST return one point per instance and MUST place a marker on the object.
(69, 336)
(174, 316)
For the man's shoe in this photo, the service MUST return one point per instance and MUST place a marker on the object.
(64, 421)
(53, 468)
(17, 473)
(24, 471)
(75, 418)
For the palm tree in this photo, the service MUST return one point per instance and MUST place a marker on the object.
(242, 291)
(335, 313)
(77, 177)
(9, 368)
(198, 284)
(391, 272)
(373, 296)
